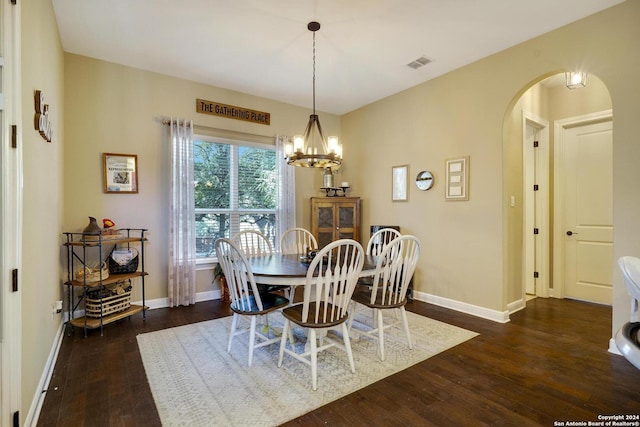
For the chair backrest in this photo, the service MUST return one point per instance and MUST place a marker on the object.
(297, 241)
(237, 272)
(394, 270)
(253, 243)
(630, 267)
(331, 280)
(380, 239)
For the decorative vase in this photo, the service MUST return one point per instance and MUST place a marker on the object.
(92, 228)
(327, 178)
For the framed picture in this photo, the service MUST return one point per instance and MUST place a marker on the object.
(399, 176)
(457, 179)
(120, 173)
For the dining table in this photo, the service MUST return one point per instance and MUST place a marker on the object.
(290, 270)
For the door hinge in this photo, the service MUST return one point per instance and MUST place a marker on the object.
(14, 280)
(14, 2)
(14, 136)
(535, 144)
(535, 274)
(535, 187)
(535, 231)
(16, 419)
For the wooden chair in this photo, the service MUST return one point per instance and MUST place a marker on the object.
(297, 241)
(394, 270)
(377, 242)
(253, 243)
(246, 300)
(330, 282)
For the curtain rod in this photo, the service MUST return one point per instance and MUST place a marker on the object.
(166, 121)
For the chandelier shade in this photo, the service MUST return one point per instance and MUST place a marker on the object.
(311, 149)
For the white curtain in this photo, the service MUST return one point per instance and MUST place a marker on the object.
(286, 214)
(182, 239)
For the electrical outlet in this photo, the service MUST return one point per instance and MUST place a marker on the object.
(56, 307)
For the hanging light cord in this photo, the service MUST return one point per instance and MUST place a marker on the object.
(314, 72)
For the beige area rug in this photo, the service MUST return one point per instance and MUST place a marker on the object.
(195, 382)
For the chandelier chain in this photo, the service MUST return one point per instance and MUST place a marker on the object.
(314, 72)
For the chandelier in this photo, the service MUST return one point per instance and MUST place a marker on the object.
(312, 150)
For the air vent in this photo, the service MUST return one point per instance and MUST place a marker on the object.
(417, 63)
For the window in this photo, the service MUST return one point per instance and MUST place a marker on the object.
(236, 188)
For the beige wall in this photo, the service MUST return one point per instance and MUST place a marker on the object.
(109, 108)
(117, 109)
(467, 246)
(40, 275)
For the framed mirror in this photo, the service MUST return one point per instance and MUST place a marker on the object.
(424, 180)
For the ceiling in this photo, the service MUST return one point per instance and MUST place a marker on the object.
(264, 48)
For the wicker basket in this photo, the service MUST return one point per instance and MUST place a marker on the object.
(114, 300)
(93, 273)
(118, 266)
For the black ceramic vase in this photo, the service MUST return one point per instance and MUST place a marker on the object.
(92, 228)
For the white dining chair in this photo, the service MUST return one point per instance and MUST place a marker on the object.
(330, 282)
(297, 241)
(380, 239)
(377, 242)
(246, 300)
(252, 243)
(394, 270)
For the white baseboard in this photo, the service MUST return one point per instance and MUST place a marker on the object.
(45, 378)
(164, 302)
(613, 347)
(516, 306)
(474, 310)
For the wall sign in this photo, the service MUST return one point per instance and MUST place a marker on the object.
(41, 120)
(232, 112)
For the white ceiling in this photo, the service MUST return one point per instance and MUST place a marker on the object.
(263, 47)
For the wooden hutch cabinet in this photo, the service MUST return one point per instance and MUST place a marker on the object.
(334, 218)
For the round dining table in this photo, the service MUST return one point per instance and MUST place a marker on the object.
(289, 270)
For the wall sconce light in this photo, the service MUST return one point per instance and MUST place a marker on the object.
(576, 79)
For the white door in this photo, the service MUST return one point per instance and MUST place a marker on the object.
(588, 212)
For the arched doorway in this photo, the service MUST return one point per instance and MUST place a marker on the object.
(536, 202)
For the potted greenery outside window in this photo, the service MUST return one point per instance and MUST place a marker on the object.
(218, 275)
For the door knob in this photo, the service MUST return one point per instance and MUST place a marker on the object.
(570, 233)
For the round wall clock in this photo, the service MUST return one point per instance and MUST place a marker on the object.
(424, 180)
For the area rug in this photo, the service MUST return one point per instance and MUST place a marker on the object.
(195, 382)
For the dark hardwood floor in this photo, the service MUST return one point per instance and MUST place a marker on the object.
(550, 363)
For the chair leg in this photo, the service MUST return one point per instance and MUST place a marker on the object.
(234, 325)
(380, 333)
(352, 314)
(283, 341)
(291, 339)
(406, 326)
(314, 358)
(252, 338)
(347, 346)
